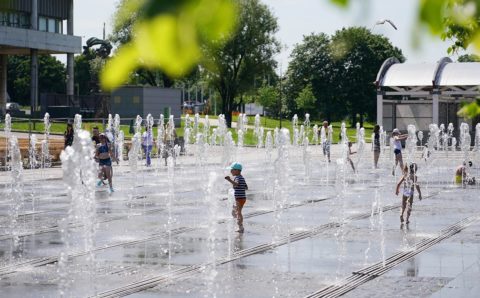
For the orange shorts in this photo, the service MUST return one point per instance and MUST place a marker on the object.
(240, 202)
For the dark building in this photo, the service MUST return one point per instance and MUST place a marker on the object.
(36, 27)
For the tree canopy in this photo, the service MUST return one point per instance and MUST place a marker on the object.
(51, 77)
(231, 66)
(340, 70)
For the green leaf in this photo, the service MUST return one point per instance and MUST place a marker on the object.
(343, 3)
(168, 35)
(470, 110)
(432, 13)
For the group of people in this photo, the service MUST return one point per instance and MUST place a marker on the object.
(104, 155)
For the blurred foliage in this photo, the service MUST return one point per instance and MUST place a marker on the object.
(167, 34)
(469, 58)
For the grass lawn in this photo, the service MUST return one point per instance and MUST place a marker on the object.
(249, 139)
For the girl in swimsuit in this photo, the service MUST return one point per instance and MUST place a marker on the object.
(104, 155)
(409, 181)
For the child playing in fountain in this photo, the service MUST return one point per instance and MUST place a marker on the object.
(350, 152)
(397, 148)
(461, 175)
(239, 186)
(410, 182)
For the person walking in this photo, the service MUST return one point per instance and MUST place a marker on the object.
(68, 135)
(147, 144)
(240, 187)
(376, 145)
(326, 142)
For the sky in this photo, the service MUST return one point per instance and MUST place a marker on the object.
(297, 18)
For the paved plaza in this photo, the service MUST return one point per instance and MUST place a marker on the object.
(312, 229)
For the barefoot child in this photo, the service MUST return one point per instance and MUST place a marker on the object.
(239, 186)
(410, 182)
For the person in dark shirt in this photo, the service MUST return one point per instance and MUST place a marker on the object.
(376, 145)
(96, 135)
(68, 135)
(239, 186)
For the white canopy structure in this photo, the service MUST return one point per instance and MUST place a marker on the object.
(424, 93)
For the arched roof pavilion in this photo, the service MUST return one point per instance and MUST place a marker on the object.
(424, 93)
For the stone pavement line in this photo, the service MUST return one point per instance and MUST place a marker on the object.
(9, 269)
(186, 272)
(369, 273)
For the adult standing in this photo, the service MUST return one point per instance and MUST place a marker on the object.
(147, 144)
(326, 141)
(68, 135)
(95, 135)
(397, 148)
(376, 145)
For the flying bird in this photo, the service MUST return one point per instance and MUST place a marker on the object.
(381, 22)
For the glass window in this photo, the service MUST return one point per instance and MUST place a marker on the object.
(14, 20)
(24, 20)
(42, 24)
(2, 18)
(59, 26)
(51, 25)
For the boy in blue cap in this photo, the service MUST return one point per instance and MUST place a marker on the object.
(239, 186)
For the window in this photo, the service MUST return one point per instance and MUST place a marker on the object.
(51, 25)
(59, 26)
(42, 24)
(14, 19)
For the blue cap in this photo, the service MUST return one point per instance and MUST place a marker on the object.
(235, 166)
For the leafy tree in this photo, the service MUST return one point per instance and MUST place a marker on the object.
(51, 77)
(306, 100)
(311, 63)
(268, 97)
(231, 66)
(358, 55)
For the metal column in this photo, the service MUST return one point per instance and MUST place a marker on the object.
(3, 83)
(435, 106)
(379, 108)
(70, 61)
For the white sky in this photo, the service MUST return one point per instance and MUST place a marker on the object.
(302, 17)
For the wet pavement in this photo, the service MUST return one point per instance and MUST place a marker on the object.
(311, 229)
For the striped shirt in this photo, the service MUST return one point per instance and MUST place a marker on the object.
(240, 189)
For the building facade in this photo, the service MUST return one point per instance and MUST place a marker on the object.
(36, 27)
(425, 93)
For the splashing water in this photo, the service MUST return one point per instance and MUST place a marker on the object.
(411, 142)
(79, 172)
(465, 140)
(46, 160)
(15, 193)
(32, 152)
(315, 134)
(295, 121)
(77, 122)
